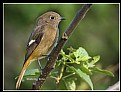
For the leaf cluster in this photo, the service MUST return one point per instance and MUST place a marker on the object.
(75, 66)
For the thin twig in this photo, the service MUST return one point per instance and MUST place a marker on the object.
(54, 54)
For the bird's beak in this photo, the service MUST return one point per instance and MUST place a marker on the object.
(62, 18)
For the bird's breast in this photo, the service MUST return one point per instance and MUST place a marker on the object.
(46, 44)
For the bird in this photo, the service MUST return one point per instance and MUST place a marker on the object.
(42, 40)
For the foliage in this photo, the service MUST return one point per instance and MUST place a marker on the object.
(69, 66)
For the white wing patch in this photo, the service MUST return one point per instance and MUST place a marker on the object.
(32, 41)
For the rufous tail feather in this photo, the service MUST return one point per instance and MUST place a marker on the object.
(27, 63)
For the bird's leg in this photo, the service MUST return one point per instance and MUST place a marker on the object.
(39, 64)
(44, 55)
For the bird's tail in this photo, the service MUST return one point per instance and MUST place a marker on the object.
(27, 63)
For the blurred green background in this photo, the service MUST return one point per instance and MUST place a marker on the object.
(98, 33)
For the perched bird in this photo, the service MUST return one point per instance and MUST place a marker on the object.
(41, 41)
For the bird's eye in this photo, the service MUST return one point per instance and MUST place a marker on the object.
(52, 17)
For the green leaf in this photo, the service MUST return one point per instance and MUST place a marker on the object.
(71, 49)
(103, 71)
(85, 70)
(58, 63)
(81, 54)
(70, 84)
(32, 72)
(62, 52)
(71, 59)
(91, 63)
(61, 85)
(95, 59)
(83, 76)
(66, 57)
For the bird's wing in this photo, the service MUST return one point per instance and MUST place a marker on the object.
(34, 40)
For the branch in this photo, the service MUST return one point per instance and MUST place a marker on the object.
(54, 54)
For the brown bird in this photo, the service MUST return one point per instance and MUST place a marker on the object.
(41, 41)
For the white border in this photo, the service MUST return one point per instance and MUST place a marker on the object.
(61, 3)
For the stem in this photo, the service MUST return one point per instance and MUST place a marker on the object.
(61, 72)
